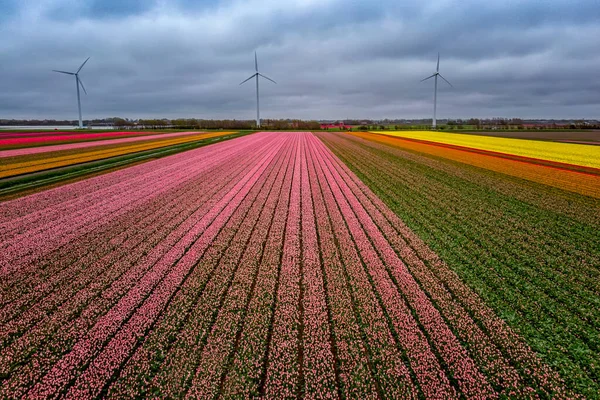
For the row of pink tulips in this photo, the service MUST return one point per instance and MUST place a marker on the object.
(496, 348)
(122, 285)
(105, 203)
(352, 355)
(245, 377)
(150, 294)
(375, 307)
(38, 291)
(494, 363)
(213, 273)
(382, 257)
(112, 356)
(220, 342)
(319, 362)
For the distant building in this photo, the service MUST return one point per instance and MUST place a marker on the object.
(338, 125)
(546, 126)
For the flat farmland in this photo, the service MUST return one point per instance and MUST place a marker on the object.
(18, 140)
(23, 161)
(579, 157)
(46, 163)
(575, 177)
(566, 136)
(85, 141)
(28, 139)
(287, 265)
(523, 236)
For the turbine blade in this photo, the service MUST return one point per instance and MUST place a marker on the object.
(64, 72)
(438, 64)
(249, 79)
(82, 65)
(81, 83)
(445, 80)
(429, 77)
(255, 62)
(266, 77)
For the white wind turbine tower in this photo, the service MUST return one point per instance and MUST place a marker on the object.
(257, 75)
(77, 83)
(435, 75)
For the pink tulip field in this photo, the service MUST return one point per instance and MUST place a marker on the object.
(260, 266)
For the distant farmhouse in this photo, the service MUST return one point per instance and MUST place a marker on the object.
(337, 125)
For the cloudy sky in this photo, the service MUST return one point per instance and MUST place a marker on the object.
(331, 58)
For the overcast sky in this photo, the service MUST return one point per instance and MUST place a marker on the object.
(331, 58)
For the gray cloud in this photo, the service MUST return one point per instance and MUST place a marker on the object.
(331, 59)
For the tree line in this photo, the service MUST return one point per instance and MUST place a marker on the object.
(192, 123)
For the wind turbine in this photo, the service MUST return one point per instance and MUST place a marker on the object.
(435, 75)
(77, 83)
(257, 75)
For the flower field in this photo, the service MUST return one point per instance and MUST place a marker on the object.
(583, 182)
(12, 140)
(86, 144)
(260, 266)
(33, 160)
(530, 251)
(571, 155)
